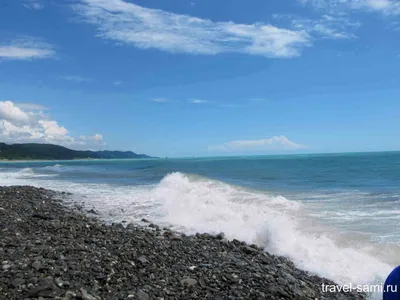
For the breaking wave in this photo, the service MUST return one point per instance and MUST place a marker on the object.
(191, 203)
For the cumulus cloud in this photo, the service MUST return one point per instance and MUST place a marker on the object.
(12, 113)
(26, 48)
(274, 143)
(131, 24)
(26, 123)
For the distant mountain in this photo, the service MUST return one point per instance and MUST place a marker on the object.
(49, 151)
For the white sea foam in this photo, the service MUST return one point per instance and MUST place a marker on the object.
(276, 223)
(55, 168)
(25, 173)
(354, 215)
(195, 204)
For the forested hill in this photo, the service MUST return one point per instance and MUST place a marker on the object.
(49, 151)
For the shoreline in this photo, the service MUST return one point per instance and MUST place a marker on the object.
(52, 250)
(71, 160)
(45, 160)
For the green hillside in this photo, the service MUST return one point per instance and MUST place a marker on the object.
(54, 152)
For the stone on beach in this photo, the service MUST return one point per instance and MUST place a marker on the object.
(51, 250)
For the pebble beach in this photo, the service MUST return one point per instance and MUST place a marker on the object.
(49, 249)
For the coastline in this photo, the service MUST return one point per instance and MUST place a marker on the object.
(51, 249)
(44, 160)
(72, 160)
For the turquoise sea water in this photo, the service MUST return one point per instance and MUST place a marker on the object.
(337, 215)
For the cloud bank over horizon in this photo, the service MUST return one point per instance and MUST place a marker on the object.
(27, 123)
(274, 143)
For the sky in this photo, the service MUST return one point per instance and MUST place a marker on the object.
(201, 77)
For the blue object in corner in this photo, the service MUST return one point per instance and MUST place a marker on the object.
(392, 285)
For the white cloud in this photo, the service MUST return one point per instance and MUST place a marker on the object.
(117, 83)
(387, 7)
(160, 100)
(12, 113)
(145, 28)
(33, 4)
(199, 101)
(78, 79)
(97, 137)
(94, 138)
(328, 26)
(274, 143)
(30, 106)
(19, 125)
(26, 48)
(52, 129)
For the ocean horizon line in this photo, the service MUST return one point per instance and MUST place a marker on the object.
(204, 157)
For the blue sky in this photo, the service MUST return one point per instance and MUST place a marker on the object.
(209, 77)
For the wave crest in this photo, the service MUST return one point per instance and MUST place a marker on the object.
(55, 168)
(280, 225)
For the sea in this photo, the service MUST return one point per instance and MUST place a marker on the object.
(336, 215)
